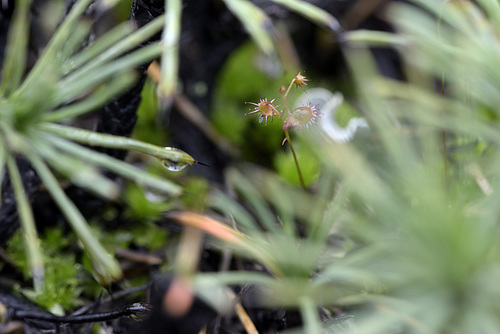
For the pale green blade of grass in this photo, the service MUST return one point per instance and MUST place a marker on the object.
(251, 194)
(77, 171)
(458, 116)
(104, 140)
(310, 316)
(221, 202)
(50, 54)
(375, 38)
(313, 13)
(459, 14)
(319, 230)
(170, 52)
(399, 147)
(106, 268)
(74, 43)
(80, 82)
(202, 280)
(117, 166)
(3, 153)
(493, 10)
(272, 189)
(106, 5)
(67, 26)
(113, 44)
(357, 174)
(97, 99)
(15, 52)
(449, 53)
(255, 21)
(34, 254)
(101, 45)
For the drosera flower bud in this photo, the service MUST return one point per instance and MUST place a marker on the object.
(300, 80)
(291, 123)
(300, 116)
(265, 108)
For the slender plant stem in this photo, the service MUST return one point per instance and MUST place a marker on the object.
(287, 135)
(288, 90)
(285, 105)
(296, 161)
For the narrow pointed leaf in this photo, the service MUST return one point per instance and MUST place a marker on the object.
(31, 241)
(105, 266)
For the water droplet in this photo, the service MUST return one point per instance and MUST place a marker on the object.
(176, 160)
(174, 166)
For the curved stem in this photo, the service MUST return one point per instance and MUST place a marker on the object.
(283, 97)
(110, 141)
(287, 135)
(288, 90)
(296, 161)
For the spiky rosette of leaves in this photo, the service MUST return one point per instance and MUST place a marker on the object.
(265, 109)
(67, 81)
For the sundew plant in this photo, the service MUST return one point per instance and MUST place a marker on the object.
(400, 235)
(291, 119)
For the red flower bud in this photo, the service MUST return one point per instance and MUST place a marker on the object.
(300, 80)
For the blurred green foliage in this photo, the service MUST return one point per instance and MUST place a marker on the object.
(241, 81)
(308, 162)
(144, 205)
(148, 127)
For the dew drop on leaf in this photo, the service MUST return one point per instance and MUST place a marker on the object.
(178, 160)
(174, 166)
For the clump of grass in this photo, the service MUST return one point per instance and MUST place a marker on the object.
(67, 81)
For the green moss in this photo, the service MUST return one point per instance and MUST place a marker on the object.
(62, 286)
(240, 81)
(143, 204)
